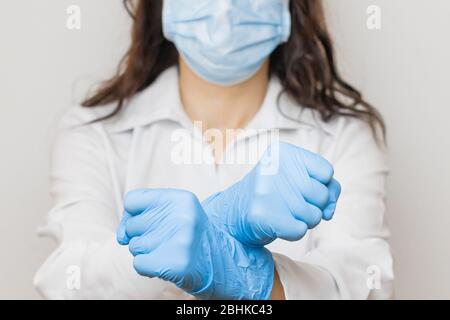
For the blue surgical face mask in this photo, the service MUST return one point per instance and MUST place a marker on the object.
(226, 41)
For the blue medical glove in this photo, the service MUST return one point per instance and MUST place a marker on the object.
(289, 191)
(172, 238)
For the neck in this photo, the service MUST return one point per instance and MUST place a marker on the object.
(220, 107)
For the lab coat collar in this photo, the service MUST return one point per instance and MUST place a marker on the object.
(161, 102)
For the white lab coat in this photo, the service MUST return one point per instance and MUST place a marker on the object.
(94, 165)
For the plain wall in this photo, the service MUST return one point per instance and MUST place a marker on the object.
(402, 69)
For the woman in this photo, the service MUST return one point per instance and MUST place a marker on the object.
(251, 73)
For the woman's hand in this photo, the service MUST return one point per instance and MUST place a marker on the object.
(172, 238)
(290, 191)
(220, 254)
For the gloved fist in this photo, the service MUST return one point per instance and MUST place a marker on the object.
(283, 203)
(171, 238)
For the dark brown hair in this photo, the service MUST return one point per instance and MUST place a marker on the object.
(305, 64)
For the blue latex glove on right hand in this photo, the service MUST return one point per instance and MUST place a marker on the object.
(283, 203)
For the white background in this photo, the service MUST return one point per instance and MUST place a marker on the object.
(403, 69)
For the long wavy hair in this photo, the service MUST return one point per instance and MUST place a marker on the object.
(305, 65)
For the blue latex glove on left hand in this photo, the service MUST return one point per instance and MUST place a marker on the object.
(172, 238)
(290, 190)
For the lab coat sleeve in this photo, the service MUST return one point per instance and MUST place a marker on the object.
(88, 263)
(349, 257)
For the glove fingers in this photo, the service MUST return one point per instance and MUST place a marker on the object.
(153, 238)
(160, 264)
(137, 201)
(285, 227)
(302, 210)
(291, 229)
(143, 244)
(335, 192)
(121, 234)
(309, 214)
(318, 167)
(316, 194)
(147, 265)
(141, 224)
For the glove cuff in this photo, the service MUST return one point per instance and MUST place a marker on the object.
(238, 272)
